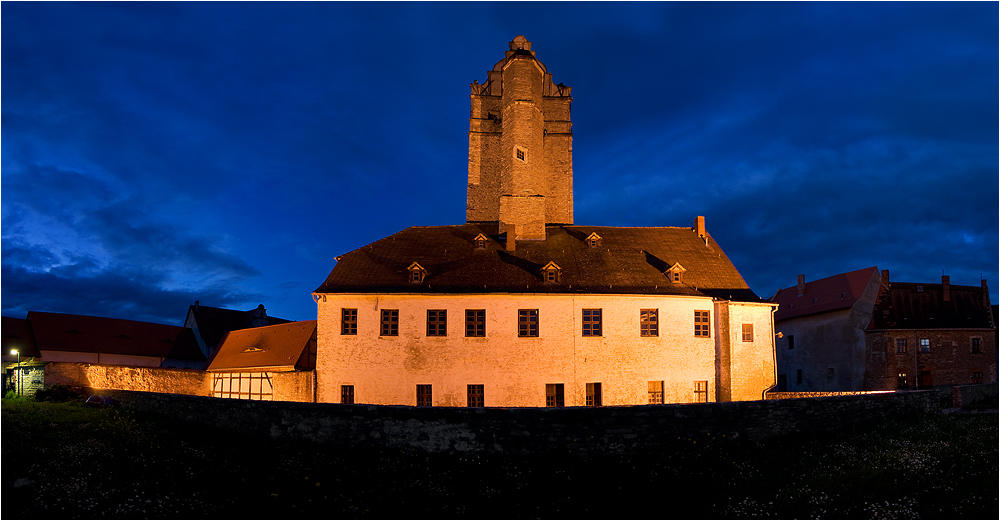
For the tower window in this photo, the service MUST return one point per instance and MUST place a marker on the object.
(521, 154)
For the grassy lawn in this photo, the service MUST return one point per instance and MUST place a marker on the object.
(70, 461)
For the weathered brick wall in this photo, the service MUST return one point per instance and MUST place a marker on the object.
(151, 379)
(533, 430)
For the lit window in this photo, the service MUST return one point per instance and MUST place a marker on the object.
(701, 391)
(390, 322)
(527, 322)
(701, 324)
(347, 394)
(348, 321)
(594, 394)
(437, 322)
(748, 332)
(592, 322)
(475, 322)
(649, 322)
(925, 345)
(554, 395)
(901, 380)
(900, 345)
(424, 396)
(656, 392)
(475, 395)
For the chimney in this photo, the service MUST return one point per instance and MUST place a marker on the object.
(946, 287)
(802, 285)
(510, 238)
(986, 296)
(699, 225)
(885, 277)
(196, 306)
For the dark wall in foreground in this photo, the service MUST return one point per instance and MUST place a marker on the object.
(537, 430)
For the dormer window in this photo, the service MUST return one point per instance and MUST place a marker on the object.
(521, 154)
(675, 273)
(551, 273)
(593, 240)
(481, 241)
(417, 273)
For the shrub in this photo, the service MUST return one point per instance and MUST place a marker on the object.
(57, 394)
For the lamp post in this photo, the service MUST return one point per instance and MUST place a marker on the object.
(17, 372)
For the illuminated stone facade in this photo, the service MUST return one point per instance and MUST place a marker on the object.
(520, 308)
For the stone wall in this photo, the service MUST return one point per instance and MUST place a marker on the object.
(533, 430)
(152, 379)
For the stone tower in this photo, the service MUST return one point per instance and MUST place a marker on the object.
(520, 147)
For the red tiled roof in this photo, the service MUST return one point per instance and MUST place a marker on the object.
(629, 260)
(17, 335)
(81, 333)
(280, 346)
(912, 305)
(829, 294)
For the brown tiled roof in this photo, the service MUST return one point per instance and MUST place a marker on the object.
(81, 333)
(17, 335)
(629, 260)
(281, 346)
(214, 323)
(829, 294)
(912, 305)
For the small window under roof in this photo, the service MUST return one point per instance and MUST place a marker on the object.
(481, 241)
(551, 273)
(675, 273)
(417, 272)
(593, 240)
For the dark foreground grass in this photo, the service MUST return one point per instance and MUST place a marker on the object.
(69, 461)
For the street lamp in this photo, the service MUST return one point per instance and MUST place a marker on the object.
(17, 372)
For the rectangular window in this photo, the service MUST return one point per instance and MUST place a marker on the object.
(390, 322)
(475, 395)
(527, 322)
(243, 386)
(925, 345)
(701, 391)
(977, 377)
(791, 342)
(900, 345)
(977, 346)
(594, 394)
(348, 321)
(437, 322)
(748, 332)
(901, 380)
(554, 395)
(798, 376)
(347, 394)
(475, 322)
(649, 324)
(424, 396)
(656, 392)
(701, 324)
(592, 322)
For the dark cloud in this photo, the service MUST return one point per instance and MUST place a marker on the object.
(228, 151)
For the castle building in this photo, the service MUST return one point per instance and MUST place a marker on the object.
(520, 307)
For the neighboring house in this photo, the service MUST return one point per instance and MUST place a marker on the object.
(267, 363)
(61, 337)
(922, 335)
(210, 324)
(519, 307)
(858, 331)
(22, 369)
(823, 324)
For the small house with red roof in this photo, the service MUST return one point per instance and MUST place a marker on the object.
(266, 363)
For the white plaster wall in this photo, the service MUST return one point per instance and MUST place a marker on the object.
(752, 363)
(514, 371)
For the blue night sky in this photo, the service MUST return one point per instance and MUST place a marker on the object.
(154, 154)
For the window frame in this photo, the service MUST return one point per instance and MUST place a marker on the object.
(527, 323)
(649, 322)
(900, 346)
(475, 395)
(348, 321)
(437, 322)
(701, 388)
(555, 395)
(425, 395)
(594, 396)
(475, 323)
(347, 394)
(655, 392)
(389, 322)
(925, 345)
(747, 332)
(702, 323)
(593, 322)
(976, 345)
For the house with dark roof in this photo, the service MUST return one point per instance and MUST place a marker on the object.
(858, 331)
(209, 325)
(520, 307)
(267, 363)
